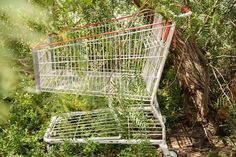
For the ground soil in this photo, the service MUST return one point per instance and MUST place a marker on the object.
(184, 139)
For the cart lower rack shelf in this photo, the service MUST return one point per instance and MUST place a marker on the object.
(103, 127)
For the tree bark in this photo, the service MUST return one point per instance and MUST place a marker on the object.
(193, 76)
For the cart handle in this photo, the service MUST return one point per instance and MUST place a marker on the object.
(186, 11)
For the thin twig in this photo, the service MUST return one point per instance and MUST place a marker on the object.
(225, 56)
(213, 70)
(231, 94)
(232, 23)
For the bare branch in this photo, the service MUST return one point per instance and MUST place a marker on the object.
(222, 89)
(225, 56)
(232, 23)
(227, 86)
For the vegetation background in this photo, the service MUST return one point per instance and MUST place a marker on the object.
(25, 114)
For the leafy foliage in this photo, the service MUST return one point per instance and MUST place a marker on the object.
(25, 114)
(169, 96)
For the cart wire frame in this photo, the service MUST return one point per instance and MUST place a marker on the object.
(124, 56)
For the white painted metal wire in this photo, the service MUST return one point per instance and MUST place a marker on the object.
(100, 125)
(120, 58)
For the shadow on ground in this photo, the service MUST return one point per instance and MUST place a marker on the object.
(183, 140)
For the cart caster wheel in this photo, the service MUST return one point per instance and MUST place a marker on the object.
(48, 147)
(173, 153)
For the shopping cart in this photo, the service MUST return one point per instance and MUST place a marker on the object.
(120, 59)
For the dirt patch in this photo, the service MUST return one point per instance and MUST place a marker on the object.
(188, 143)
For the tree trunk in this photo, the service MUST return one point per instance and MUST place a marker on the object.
(193, 75)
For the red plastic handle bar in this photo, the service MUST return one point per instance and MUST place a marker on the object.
(186, 11)
(166, 31)
(183, 8)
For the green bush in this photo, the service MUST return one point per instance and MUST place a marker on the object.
(144, 149)
(169, 97)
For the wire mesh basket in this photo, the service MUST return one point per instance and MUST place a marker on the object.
(119, 56)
